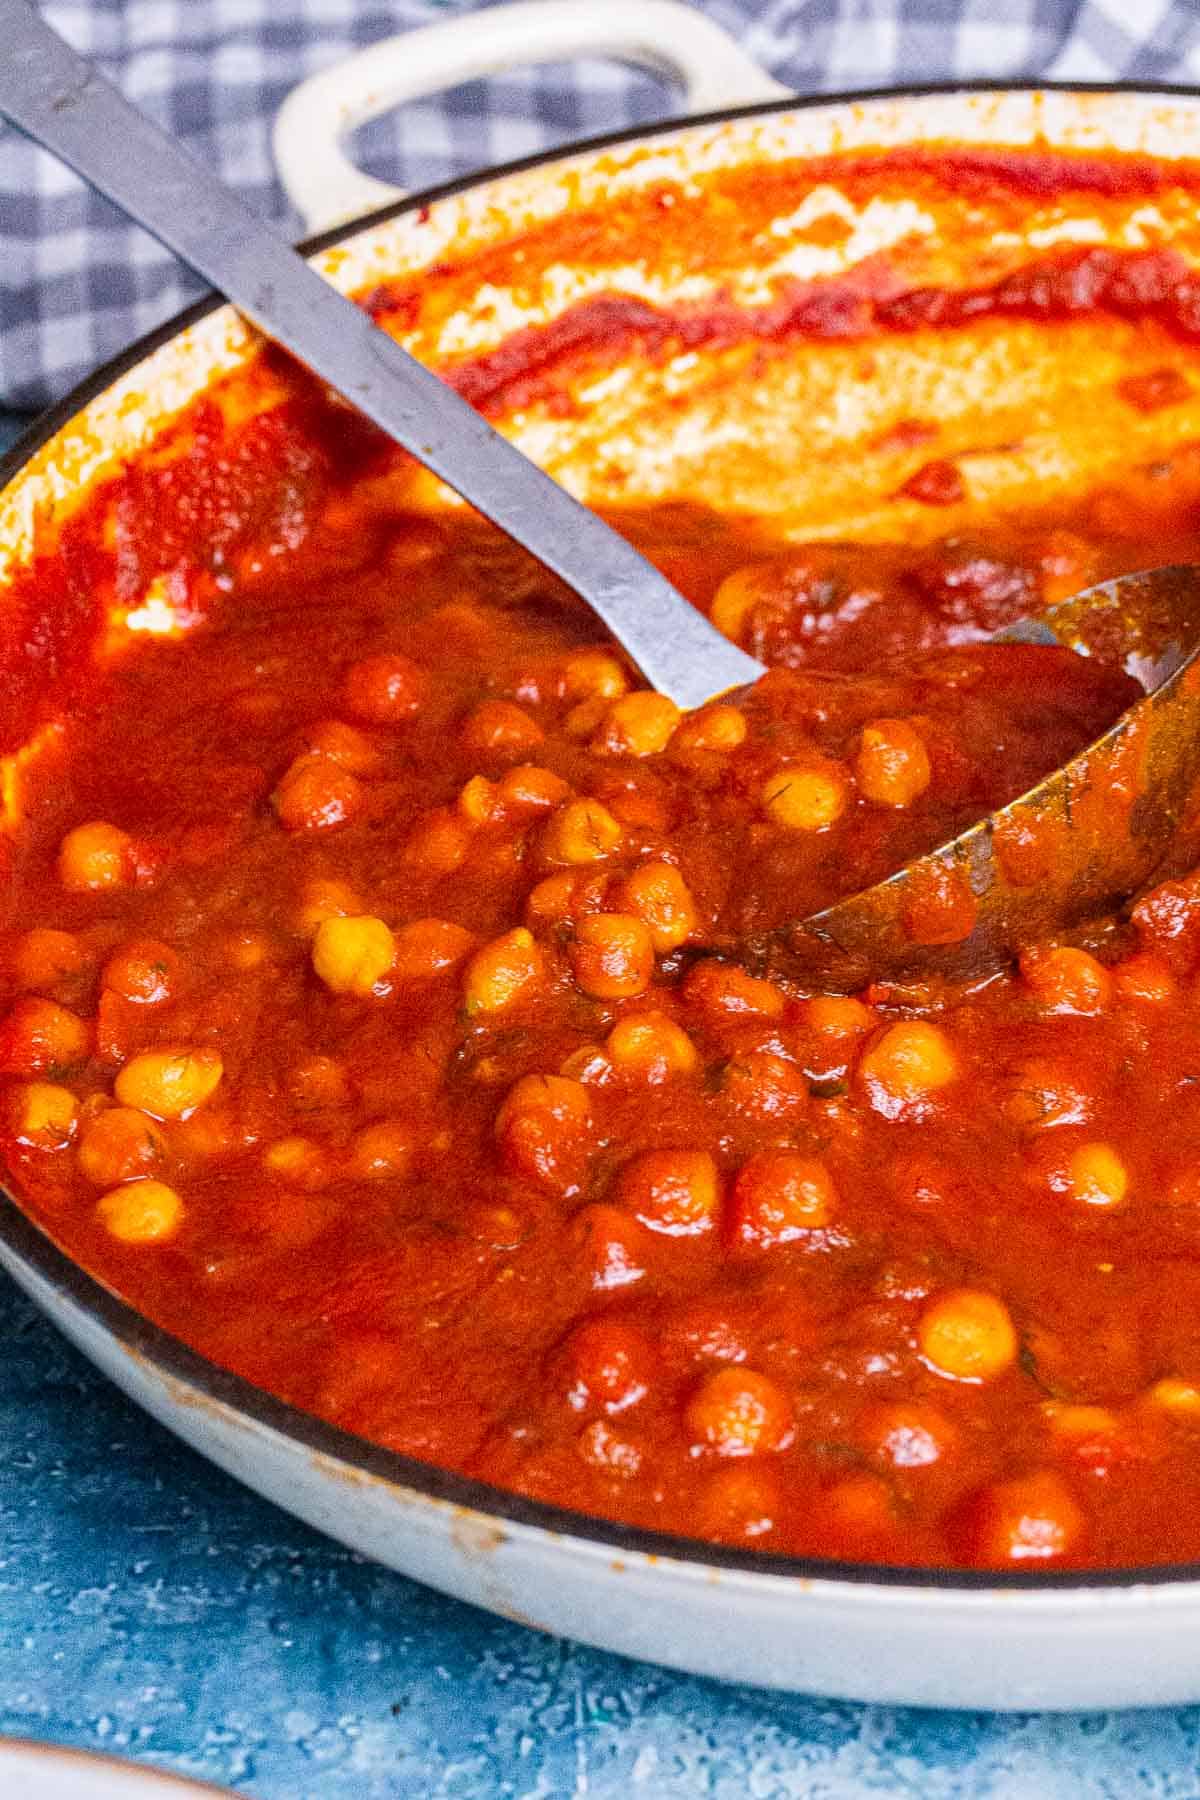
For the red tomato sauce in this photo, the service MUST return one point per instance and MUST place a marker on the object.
(369, 1017)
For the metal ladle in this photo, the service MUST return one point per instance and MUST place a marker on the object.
(1094, 850)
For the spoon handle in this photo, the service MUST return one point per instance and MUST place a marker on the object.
(64, 104)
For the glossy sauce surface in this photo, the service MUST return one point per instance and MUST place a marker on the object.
(370, 1021)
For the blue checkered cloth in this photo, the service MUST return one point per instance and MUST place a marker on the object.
(78, 283)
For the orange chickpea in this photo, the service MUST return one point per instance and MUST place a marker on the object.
(1144, 977)
(657, 894)
(740, 1502)
(583, 831)
(384, 689)
(498, 728)
(440, 843)
(532, 788)
(652, 1046)
(778, 1197)
(479, 800)
(607, 1241)
(324, 897)
(859, 1511)
(120, 1144)
(1096, 1177)
(736, 598)
(43, 958)
(144, 971)
(612, 955)
(169, 1084)
(608, 1365)
(1031, 1519)
(674, 1192)
(906, 1434)
(910, 1062)
(344, 745)
(1065, 980)
(506, 971)
(726, 990)
(545, 1131)
(968, 1335)
(892, 765)
(43, 1115)
(353, 956)
(299, 1162)
(383, 1151)
(141, 1212)
(835, 1016)
(805, 796)
(316, 795)
(39, 1036)
(765, 1087)
(97, 858)
(593, 675)
(738, 1412)
(717, 728)
(427, 948)
(607, 1450)
(639, 724)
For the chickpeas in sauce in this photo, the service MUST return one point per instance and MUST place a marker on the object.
(371, 1017)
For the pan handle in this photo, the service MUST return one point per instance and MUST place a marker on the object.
(660, 35)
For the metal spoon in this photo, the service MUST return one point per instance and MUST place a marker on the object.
(61, 101)
(1124, 811)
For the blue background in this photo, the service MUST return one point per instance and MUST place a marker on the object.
(152, 1608)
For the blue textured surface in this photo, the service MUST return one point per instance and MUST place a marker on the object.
(151, 1608)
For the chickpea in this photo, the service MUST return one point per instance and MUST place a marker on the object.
(717, 728)
(1180, 1399)
(652, 1046)
(593, 675)
(760, 1085)
(504, 972)
(383, 1151)
(657, 894)
(120, 1144)
(383, 690)
(39, 1036)
(479, 800)
(911, 1061)
(612, 955)
(967, 1335)
(440, 843)
(427, 948)
(545, 1131)
(892, 765)
(805, 796)
(315, 795)
(141, 1212)
(1097, 1177)
(582, 831)
(639, 724)
(674, 1192)
(778, 1197)
(144, 971)
(353, 956)
(498, 728)
(724, 990)
(344, 745)
(532, 788)
(1032, 1518)
(43, 958)
(97, 858)
(169, 1084)
(608, 1366)
(1145, 977)
(735, 600)
(906, 1434)
(740, 1502)
(858, 1510)
(738, 1412)
(43, 1115)
(299, 1162)
(607, 1240)
(835, 1016)
(324, 897)
(584, 719)
(1065, 980)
